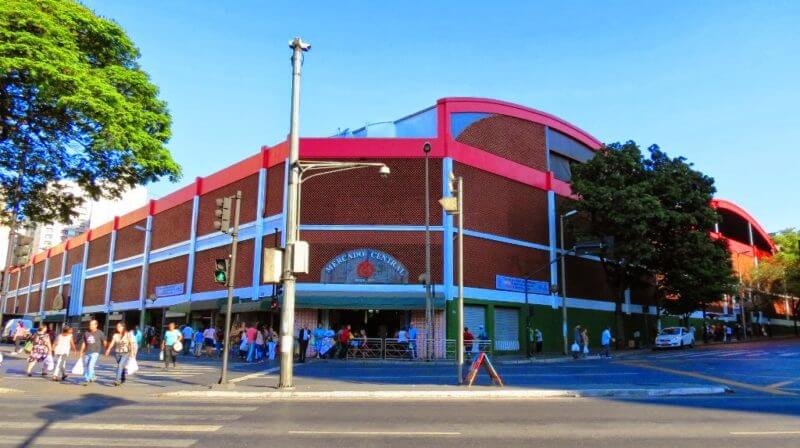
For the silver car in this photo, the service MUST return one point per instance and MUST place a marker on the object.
(675, 337)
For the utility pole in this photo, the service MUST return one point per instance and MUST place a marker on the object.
(428, 297)
(286, 380)
(564, 329)
(231, 282)
(460, 339)
(148, 237)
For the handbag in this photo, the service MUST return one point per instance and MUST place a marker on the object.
(178, 346)
(132, 366)
(77, 369)
(576, 347)
(161, 355)
(586, 350)
(49, 364)
(28, 347)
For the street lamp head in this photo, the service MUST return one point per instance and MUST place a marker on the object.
(298, 42)
(569, 213)
(140, 228)
(384, 171)
(426, 148)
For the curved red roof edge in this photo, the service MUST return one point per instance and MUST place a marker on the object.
(732, 207)
(476, 104)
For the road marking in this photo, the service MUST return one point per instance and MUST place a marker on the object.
(709, 378)
(255, 375)
(108, 426)
(764, 433)
(93, 441)
(783, 383)
(151, 407)
(378, 433)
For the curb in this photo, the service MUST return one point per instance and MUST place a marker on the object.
(460, 394)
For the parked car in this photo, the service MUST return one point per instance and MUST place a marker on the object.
(671, 337)
(11, 325)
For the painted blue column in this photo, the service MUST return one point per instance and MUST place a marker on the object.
(192, 246)
(551, 231)
(110, 268)
(448, 232)
(258, 242)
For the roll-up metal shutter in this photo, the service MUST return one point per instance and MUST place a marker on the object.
(474, 317)
(506, 329)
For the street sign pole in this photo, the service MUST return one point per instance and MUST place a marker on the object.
(231, 279)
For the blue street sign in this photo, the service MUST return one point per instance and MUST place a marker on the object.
(517, 284)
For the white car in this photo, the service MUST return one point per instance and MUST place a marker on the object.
(675, 337)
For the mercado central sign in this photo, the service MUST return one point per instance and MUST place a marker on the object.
(364, 266)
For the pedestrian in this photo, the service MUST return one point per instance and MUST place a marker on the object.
(138, 336)
(483, 338)
(319, 336)
(577, 345)
(402, 339)
(209, 340)
(188, 333)
(64, 344)
(412, 340)
(198, 343)
(537, 334)
(93, 343)
(261, 343)
(468, 341)
(585, 339)
(362, 342)
(605, 342)
(41, 349)
(303, 336)
(344, 341)
(250, 334)
(728, 334)
(172, 339)
(19, 336)
(124, 345)
(272, 339)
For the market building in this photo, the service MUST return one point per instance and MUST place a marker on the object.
(366, 236)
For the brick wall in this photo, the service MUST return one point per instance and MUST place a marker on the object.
(125, 285)
(484, 259)
(54, 268)
(512, 138)
(167, 272)
(275, 183)
(130, 240)
(98, 251)
(503, 207)
(204, 267)
(38, 273)
(74, 256)
(249, 188)
(586, 279)
(94, 291)
(172, 226)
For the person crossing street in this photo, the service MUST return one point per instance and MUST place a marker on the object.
(171, 345)
(124, 345)
(93, 343)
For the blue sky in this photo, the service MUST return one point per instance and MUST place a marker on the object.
(715, 81)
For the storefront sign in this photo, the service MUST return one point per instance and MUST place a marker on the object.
(364, 266)
(169, 290)
(517, 284)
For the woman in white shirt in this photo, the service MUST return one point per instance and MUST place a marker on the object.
(64, 344)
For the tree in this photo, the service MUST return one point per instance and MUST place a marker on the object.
(695, 269)
(617, 200)
(75, 106)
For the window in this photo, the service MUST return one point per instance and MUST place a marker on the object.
(561, 167)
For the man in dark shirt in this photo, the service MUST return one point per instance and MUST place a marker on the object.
(93, 343)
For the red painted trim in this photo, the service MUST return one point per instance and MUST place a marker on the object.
(491, 163)
(515, 110)
(39, 257)
(101, 231)
(265, 157)
(233, 173)
(116, 223)
(278, 154)
(371, 148)
(198, 185)
(174, 199)
(730, 206)
(134, 216)
(58, 249)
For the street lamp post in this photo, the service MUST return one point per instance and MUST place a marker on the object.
(741, 298)
(426, 148)
(455, 206)
(528, 319)
(148, 234)
(564, 330)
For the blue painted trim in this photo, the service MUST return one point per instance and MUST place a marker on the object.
(447, 237)
(494, 295)
(503, 239)
(258, 243)
(172, 251)
(192, 247)
(79, 306)
(244, 292)
(552, 233)
(110, 268)
(368, 228)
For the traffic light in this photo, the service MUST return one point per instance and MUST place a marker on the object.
(22, 249)
(221, 266)
(222, 214)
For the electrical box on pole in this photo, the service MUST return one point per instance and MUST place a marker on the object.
(272, 265)
(300, 257)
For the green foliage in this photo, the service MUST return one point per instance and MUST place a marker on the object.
(74, 107)
(657, 210)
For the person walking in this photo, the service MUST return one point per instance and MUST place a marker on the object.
(605, 342)
(198, 343)
(19, 336)
(172, 337)
(250, 335)
(187, 332)
(93, 343)
(138, 336)
(124, 345)
(585, 339)
(468, 338)
(64, 344)
(539, 340)
(344, 341)
(209, 340)
(319, 339)
(577, 346)
(412, 340)
(40, 350)
(303, 336)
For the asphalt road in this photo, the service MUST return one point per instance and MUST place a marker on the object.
(763, 410)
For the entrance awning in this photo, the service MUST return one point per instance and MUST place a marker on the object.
(54, 317)
(374, 301)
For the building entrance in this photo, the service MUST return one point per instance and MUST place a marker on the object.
(377, 323)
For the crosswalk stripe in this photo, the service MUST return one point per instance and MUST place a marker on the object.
(85, 426)
(15, 440)
(150, 407)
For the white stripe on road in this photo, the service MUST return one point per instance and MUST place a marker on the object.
(109, 426)
(151, 407)
(378, 433)
(255, 375)
(764, 433)
(93, 441)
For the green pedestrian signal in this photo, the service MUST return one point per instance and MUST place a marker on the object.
(221, 271)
